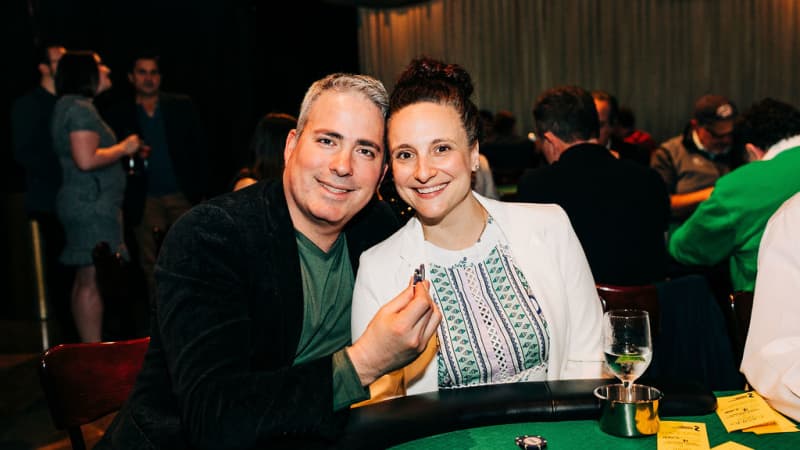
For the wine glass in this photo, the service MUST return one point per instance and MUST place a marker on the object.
(136, 164)
(627, 344)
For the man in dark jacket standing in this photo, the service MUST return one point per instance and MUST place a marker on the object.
(33, 150)
(619, 209)
(175, 175)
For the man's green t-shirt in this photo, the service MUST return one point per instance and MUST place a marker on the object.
(327, 292)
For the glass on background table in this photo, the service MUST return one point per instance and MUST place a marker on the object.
(586, 434)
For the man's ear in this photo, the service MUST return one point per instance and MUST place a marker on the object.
(291, 143)
(130, 77)
(550, 146)
(552, 139)
(754, 153)
(44, 70)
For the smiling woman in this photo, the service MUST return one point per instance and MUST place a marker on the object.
(432, 163)
(517, 298)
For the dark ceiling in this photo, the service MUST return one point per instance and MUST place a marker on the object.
(377, 3)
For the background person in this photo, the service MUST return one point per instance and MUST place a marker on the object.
(618, 208)
(33, 145)
(608, 117)
(483, 181)
(771, 359)
(89, 201)
(507, 152)
(266, 150)
(727, 227)
(32, 142)
(176, 175)
(691, 162)
(627, 131)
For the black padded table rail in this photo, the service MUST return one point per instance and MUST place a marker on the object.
(402, 419)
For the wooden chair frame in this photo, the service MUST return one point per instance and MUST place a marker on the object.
(632, 297)
(84, 382)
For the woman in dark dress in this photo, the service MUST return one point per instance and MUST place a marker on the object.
(88, 203)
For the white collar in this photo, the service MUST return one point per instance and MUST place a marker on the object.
(697, 142)
(413, 237)
(710, 155)
(780, 146)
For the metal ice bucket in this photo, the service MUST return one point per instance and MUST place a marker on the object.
(629, 414)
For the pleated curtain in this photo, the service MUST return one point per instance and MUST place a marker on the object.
(656, 56)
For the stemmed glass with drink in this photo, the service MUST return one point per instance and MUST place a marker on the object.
(627, 344)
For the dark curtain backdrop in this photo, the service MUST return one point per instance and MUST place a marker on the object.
(657, 56)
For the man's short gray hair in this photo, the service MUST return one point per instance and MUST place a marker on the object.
(371, 88)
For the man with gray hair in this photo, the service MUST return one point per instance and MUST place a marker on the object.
(250, 344)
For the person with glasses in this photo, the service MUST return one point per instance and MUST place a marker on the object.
(728, 226)
(691, 163)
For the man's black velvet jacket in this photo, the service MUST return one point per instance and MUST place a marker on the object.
(218, 373)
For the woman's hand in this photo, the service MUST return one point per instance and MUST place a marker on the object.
(88, 155)
(131, 144)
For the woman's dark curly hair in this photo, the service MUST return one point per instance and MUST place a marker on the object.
(429, 80)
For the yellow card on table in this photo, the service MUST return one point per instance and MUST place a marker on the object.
(674, 435)
(730, 445)
(746, 410)
(779, 425)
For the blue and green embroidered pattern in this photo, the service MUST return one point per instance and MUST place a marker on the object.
(493, 329)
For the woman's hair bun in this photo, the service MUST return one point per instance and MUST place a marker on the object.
(429, 70)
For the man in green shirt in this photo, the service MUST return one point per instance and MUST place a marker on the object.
(250, 345)
(730, 223)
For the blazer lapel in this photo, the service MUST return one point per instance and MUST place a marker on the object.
(285, 274)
